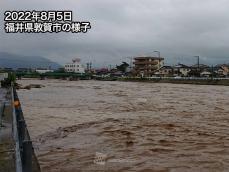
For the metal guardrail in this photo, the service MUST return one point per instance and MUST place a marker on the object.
(23, 143)
(18, 162)
(2, 107)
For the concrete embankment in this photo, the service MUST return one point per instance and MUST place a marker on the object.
(224, 82)
(8, 149)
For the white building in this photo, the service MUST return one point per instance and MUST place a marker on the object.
(75, 66)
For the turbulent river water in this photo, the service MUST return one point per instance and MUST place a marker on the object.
(127, 127)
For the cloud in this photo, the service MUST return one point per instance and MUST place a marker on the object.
(180, 29)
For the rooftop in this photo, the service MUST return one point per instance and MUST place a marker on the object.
(148, 57)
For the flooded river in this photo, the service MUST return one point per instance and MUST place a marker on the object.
(92, 126)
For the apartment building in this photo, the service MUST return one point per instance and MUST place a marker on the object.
(147, 66)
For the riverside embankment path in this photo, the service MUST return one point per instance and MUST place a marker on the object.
(16, 151)
(7, 162)
(137, 127)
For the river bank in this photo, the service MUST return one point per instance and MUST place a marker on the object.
(223, 82)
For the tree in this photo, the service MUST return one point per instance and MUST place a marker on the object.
(60, 70)
(194, 73)
(123, 67)
(11, 79)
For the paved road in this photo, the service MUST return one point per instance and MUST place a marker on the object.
(6, 142)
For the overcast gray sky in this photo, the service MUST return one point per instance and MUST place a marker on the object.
(179, 29)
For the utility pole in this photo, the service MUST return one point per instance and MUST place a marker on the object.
(110, 67)
(198, 62)
(212, 72)
(159, 53)
(90, 65)
(131, 61)
(87, 66)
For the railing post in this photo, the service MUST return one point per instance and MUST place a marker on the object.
(27, 156)
(1, 114)
(21, 131)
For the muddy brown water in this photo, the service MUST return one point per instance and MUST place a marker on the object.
(127, 126)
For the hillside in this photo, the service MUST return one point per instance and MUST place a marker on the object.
(14, 61)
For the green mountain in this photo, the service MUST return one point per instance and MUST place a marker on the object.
(8, 60)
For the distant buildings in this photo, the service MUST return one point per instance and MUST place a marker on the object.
(181, 70)
(221, 70)
(43, 70)
(7, 69)
(206, 73)
(25, 70)
(154, 66)
(165, 71)
(102, 71)
(147, 66)
(144, 66)
(75, 66)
